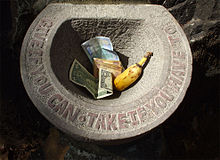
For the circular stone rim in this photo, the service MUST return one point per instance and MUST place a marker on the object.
(67, 127)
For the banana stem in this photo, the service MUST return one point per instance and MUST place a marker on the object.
(143, 60)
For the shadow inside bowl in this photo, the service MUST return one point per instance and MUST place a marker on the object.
(66, 46)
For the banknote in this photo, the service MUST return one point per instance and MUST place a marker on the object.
(105, 87)
(99, 47)
(109, 55)
(114, 67)
(99, 88)
(80, 76)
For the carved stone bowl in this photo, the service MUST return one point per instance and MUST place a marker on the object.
(54, 40)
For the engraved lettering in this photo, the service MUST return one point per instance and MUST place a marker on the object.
(174, 83)
(34, 43)
(46, 88)
(61, 107)
(36, 52)
(142, 113)
(179, 74)
(152, 107)
(178, 65)
(70, 114)
(133, 115)
(179, 55)
(46, 23)
(108, 122)
(35, 60)
(92, 117)
(42, 29)
(122, 121)
(82, 118)
(111, 122)
(40, 36)
(55, 99)
(40, 80)
(170, 30)
(75, 115)
(173, 40)
(100, 124)
(160, 102)
(38, 71)
(165, 94)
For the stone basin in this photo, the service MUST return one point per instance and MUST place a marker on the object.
(53, 41)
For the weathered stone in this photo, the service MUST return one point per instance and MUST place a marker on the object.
(39, 5)
(204, 20)
(204, 9)
(184, 11)
(200, 21)
(171, 3)
(180, 141)
(53, 42)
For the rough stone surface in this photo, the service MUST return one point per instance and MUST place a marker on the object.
(200, 21)
(192, 132)
(52, 43)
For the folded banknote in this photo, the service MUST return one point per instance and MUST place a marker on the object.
(99, 47)
(99, 88)
(114, 67)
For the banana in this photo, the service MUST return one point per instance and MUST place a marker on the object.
(131, 74)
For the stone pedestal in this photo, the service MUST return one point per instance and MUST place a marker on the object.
(53, 42)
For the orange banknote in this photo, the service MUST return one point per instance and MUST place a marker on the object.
(114, 67)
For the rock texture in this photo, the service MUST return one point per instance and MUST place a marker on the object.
(191, 132)
(201, 22)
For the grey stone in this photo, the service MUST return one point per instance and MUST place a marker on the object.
(184, 11)
(171, 3)
(53, 41)
(200, 20)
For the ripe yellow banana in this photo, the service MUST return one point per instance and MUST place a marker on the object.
(131, 74)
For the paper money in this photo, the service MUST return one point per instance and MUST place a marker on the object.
(114, 67)
(99, 88)
(109, 55)
(99, 47)
(80, 76)
(105, 83)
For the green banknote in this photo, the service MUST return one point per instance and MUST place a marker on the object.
(79, 75)
(105, 83)
(99, 47)
(99, 88)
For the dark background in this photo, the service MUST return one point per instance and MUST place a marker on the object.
(192, 132)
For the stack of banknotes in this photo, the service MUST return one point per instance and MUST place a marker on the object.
(106, 67)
